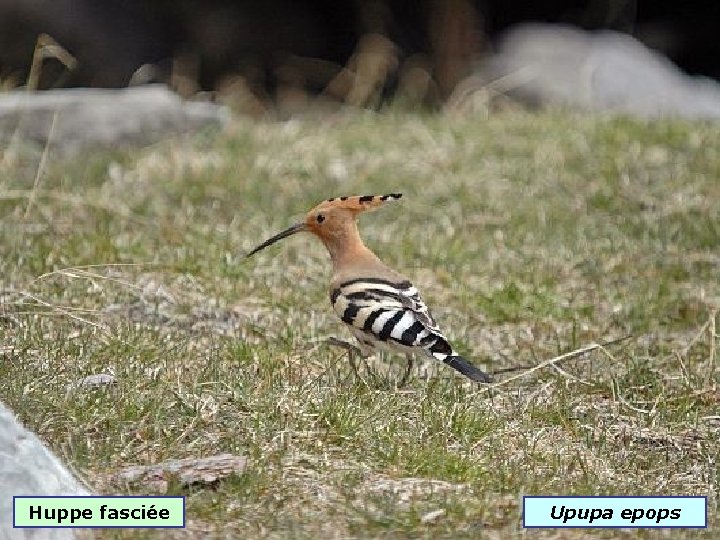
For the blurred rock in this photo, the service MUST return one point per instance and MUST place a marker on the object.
(189, 471)
(598, 71)
(96, 117)
(27, 467)
(433, 516)
(98, 380)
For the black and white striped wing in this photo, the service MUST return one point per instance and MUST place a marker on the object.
(385, 311)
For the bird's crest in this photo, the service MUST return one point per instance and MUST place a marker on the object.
(358, 203)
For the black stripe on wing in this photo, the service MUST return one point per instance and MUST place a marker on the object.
(411, 334)
(400, 285)
(350, 313)
(367, 326)
(387, 294)
(389, 325)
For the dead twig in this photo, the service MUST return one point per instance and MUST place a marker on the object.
(41, 166)
(555, 360)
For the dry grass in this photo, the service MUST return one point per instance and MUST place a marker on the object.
(530, 236)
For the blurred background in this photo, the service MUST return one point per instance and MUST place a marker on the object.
(289, 49)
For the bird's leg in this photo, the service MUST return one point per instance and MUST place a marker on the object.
(343, 345)
(351, 349)
(410, 363)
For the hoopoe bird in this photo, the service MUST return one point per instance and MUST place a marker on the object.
(382, 309)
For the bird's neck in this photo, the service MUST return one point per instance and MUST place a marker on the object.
(347, 250)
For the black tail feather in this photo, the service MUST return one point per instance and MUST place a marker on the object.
(442, 351)
(466, 368)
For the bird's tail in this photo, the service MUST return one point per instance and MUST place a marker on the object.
(458, 363)
(441, 350)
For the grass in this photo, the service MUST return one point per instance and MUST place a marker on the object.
(530, 235)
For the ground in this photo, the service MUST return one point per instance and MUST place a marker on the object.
(529, 235)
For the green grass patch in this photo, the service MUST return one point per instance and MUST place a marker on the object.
(530, 235)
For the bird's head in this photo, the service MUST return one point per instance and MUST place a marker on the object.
(333, 220)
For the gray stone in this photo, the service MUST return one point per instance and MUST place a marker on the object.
(101, 117)
(93, 381)
(188, 471)
(27, 467)
(547, 64)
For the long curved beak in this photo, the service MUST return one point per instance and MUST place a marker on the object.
(298, 227)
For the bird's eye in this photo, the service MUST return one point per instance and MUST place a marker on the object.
(320, 218)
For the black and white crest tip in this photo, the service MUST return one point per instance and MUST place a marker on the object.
(365, 200)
